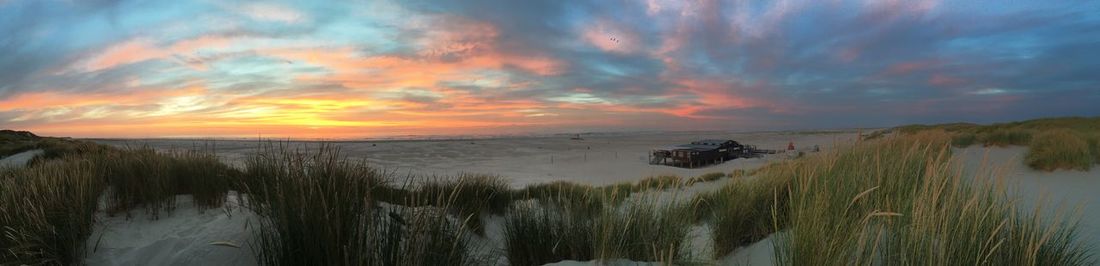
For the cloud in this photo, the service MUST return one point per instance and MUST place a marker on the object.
(397, 67)
(272, 12)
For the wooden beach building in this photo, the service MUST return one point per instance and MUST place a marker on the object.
(699, 153)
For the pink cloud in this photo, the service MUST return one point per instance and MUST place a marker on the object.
(142, 49)
(910, 67)
(942, 80)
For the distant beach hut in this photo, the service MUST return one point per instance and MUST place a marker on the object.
(697, 153)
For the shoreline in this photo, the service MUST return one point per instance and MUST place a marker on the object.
(446, 138)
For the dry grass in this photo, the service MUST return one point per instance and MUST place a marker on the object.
(898, 200)
(640, 229)
(46, 212)
(708, 177)
(1094, 146)
(317, 208)
(140, 177)
(1053, 151)
(743, 212)
(903, 201)
(571, 196)
(1060, 149)
(1006, 137)
(469, 197)
(537, 234)
(659, 183)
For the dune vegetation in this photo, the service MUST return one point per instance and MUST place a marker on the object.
(904, 200)
(1059, 149)
(894, 200)
(1071, 143)
(638, 229)
(318, 208)
(46, 212)
(12, 142)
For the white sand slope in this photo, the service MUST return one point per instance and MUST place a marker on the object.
(182, 237)
(1061, 190)
(760, 253)
(19, 159)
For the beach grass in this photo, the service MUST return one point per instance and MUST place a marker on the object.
(964, 139)
(738, 173)
(313, 206)
(8, 148)
(659, 183)
(200, 174)
(1006, 137)
(898, 199)
(47, 212)
(576, 198)
(904, 201)
(645, 228)
(316, 208)
(536, 234)
(1024, 133)
(143, 178)
(743, 212)
(137, 177)
(1060, 149)
(640, 229)
(1094, 146)
(12, 142)
(708, 177)
(468, 196)
(54, 148)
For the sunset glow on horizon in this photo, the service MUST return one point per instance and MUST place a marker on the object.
(349, 69)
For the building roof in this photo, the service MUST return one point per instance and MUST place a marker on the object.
(700, 145)
(713, 142)
(696, 147)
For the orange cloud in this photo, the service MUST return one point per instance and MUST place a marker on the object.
(44, 99)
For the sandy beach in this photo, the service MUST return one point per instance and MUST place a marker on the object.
(597, 159)
(184, 237)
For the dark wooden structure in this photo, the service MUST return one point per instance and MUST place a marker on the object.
(702, 153)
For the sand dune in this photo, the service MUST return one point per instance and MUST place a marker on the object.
(184, 237)
(19, 159)
(1061, 190)
(181, 237)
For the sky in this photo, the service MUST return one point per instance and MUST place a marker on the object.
(351, 69)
